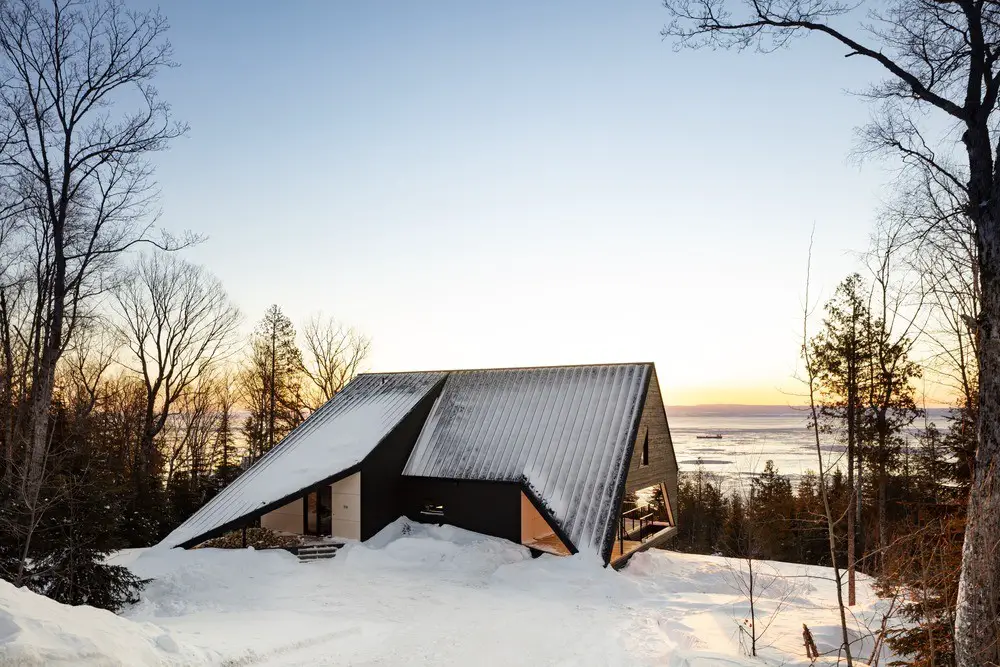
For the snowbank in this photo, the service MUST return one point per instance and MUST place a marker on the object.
(433, 595)
(35, 630)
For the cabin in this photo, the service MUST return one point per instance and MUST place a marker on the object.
(561, 459)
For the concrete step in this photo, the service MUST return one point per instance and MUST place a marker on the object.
(318, 552)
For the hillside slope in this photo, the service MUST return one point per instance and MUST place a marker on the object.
(420, 595)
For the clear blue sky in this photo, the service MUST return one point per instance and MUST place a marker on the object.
(517, 183)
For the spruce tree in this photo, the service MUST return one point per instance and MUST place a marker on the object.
(772, 505)
(840, 353)
(272, 383)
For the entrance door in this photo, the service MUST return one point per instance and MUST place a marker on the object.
(319, 516)
(324, 515)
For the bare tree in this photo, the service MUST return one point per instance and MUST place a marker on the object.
(895, 316)
(811, 374)
(942, 57)
(753, 579)
(333, 356)
(938, 241)
(177, 319)
(79, 162)
(191, 430)
(91, 354)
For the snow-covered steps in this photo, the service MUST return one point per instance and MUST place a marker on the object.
(317, 552)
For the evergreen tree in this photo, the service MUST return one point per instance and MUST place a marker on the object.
(271, 383)
(226, 459)
(890, 408)
(840, 353)
(773, 505)
(737, 534)
(809, 527)
(81, 522)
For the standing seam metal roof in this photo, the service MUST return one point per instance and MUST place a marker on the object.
(566, 431)
(334, 438)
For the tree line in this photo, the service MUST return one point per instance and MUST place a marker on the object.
(128, 396)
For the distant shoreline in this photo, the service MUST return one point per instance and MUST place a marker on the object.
(745, 407)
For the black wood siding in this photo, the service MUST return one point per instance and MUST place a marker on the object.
(491, 508)
(381, 469)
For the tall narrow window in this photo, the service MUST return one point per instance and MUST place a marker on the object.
(645, 449)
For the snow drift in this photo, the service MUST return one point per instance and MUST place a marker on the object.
(35, 630)
(425, 595)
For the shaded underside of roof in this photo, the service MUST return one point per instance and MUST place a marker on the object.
(334, 438)
(566, 432)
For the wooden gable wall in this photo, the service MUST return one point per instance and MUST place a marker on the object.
(662, 461)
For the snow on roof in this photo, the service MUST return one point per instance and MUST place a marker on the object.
(334, 438)
(566, 431)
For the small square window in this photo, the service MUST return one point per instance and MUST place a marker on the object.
(433, 509)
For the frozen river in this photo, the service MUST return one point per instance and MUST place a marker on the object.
(751, 435)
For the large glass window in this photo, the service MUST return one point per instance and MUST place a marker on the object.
(648, 502)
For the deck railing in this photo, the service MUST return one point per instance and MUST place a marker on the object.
(638, 514)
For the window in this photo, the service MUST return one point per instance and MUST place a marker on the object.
(644, 461)
(433, 509)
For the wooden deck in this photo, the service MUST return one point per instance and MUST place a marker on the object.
(620, 556)
(550, 544)
(630, 547)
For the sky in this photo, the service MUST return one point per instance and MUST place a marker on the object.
(510, 184)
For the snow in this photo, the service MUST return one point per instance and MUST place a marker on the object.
(336, 437)
(35, 630)
(427, 595)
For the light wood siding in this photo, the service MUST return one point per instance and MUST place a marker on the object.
(345, 507)
(533, 524)
(287, 519)
(662, 461)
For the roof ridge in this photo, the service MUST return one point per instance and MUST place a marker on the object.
(512, 368)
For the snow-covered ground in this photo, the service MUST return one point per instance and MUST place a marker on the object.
(421, 595)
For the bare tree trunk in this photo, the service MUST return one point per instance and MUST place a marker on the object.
(830, 524)
(852, 401)
(41, 401)
(977, 620)
(851, 576)
(978, 613)
(272, 394)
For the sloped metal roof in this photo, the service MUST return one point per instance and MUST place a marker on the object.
(334, 438)
(566, 431)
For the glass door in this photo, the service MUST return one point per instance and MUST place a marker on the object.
(319, 512)
(324, 511)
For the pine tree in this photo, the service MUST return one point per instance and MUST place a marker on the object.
(772, 505)
(226, 454)
(890, 407)
(840, 352)
(68, 547)
(271, 383)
